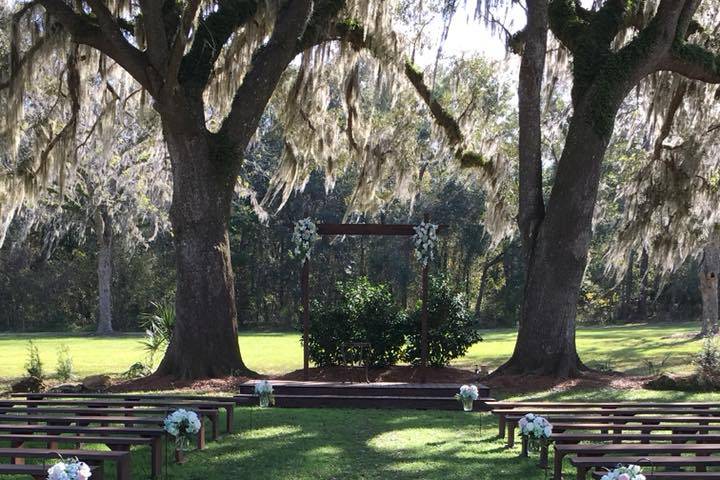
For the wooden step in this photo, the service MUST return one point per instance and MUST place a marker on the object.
(380, 389)
(363, 401)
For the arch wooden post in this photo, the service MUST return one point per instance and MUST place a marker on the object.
(424, 317)
(305, 287)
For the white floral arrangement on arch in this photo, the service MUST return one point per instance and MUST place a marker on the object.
(536, 428)
(425, 241)
(182, 424)
(630, 472)
(304, 236)
(71, 469)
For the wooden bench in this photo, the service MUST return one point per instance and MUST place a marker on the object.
(211, 415)
(39, 472)
(616, 438)
(226, 403)
(206, 406)
(103, 420)
(505, 410)
(635, 449)
(120, 443)
(59, 429)
(121, 459)
(616, 423)
(586, 464)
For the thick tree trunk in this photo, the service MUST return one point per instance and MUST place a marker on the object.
(546, 338)
(103, 232)
(204, 342)
(708, 276)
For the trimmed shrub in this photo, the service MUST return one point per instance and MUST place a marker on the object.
(34, 366)
(365, 313)
(707, 363)
(451, 328)
(64, 364)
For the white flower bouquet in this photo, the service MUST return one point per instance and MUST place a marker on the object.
(467, 395)
(304, 236)
(182, 424)
(72, 469)
(536, 428)
(264, 390)
(631, 472)
(425, 240)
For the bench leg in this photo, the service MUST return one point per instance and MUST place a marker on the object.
(214, 420)
(156, 450)
(524, 446)
(230, 419)
(511, 434)
(557, 469)
(98, 473)
(123, 468)
(581, 473)
(201, 436)
(501, 426)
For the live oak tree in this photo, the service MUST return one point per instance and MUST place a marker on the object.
(614, 47)
(210, 68)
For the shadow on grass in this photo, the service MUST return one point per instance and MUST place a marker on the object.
(357, 444)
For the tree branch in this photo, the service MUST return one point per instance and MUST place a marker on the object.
(268, 65)
(443, 118)
(567, 23)
(154, 28)
(357, 37)
(212, 33)
(84, 32)
(531, 211)
(693, 62)
(675, 103)
(181, 38)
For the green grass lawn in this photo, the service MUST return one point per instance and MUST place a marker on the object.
(624, 348)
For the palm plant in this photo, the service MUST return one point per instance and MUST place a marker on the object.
(158, 325)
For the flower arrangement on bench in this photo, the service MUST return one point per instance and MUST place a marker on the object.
(536, 428)
(630, 472)
(182, 424)
(71, 469)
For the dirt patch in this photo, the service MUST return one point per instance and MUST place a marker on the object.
(501, 387)
(158, 383)
(507, 385)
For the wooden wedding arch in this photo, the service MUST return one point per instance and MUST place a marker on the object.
(365, 229)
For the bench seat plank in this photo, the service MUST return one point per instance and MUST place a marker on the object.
(585, 464)
(121, 459)
(39, 472)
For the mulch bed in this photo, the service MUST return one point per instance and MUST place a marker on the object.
(501, 387)
(156, 383)
(396, 373)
